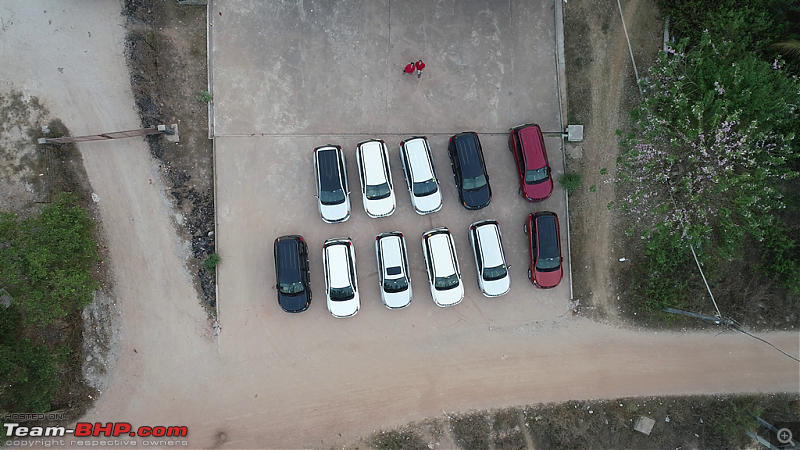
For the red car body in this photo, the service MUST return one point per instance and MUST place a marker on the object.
(544, 242)
(527, 144)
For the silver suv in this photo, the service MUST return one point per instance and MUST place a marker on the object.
(393, 274)
(377, 190)
(487, 246)
(441, 261)
(420, 175)
(341, 279)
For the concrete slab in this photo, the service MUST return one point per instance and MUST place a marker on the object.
(337, 67)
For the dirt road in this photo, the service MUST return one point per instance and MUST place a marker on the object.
(274, 381)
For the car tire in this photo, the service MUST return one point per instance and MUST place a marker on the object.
(529, 273)
(511, 149)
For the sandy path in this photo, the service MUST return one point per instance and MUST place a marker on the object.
(302, 381)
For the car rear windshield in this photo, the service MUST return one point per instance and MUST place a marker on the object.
(330, 183)
(495, 273)
(472, 184)
(536, 176)
(292, 288)
(377, 192)
(392, 285)
(333, 197)
(549, 256)
(425, 188)
(445, 283)
(341, 294)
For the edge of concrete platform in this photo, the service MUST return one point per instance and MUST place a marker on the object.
(561, 81)
(210, 76)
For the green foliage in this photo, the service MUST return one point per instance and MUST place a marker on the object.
(211, 262)
(731, 418)
(29, 372)
(780, 259)
(593, 188)
(204, 97)
(570, 181)
(46, 260)
(668, 270)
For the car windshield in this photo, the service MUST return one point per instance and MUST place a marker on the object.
(333, 197)
(445, 283)
(377, 192)
(471, 184)
(425, 188)
(536, 176)
(495, 273)
(395, 284)
(291, 288)
(548, 264)
(341, 294)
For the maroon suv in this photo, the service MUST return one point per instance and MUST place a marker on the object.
(544, 242)
(527, 144)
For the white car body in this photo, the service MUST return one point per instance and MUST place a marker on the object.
(394, 276)
(441, 260)
(487, 246)
(377, 190)
(330, 173)
(341, 278)
(419, 171)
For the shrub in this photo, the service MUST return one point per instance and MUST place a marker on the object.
(204, 97)
(570, 181)
(211, 262)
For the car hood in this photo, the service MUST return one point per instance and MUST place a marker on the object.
(536, 192)
(294, 303)
(477, 199)
(379, 208)
(449, 297)
(428, 204)
(496, 288)
(549, 279)
(397, 300)
(335, 213)
(346, 308)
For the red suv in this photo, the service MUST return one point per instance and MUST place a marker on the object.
(544, 241)
(527, 144)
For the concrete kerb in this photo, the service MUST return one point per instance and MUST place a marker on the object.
(209, 8)
(561, 80)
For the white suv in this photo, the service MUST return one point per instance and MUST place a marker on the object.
(377, 190)
(420, 175)
(487, 246)
(441, 260)
(341, 280)
(333, 195)
(393, 274)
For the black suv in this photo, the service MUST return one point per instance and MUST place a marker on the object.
(469, 170)
(291, 271)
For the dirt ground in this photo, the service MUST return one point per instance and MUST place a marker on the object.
(277, 392)
(601, 89)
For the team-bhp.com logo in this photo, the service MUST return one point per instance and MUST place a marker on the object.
(84, 429)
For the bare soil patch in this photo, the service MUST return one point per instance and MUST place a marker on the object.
(166, 54)
(601, 89)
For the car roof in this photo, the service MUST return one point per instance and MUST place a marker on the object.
(532, 143)
(439, 244)
(547, 235)
(417, 154)
(391, 251)
(337, 267)
(467, 152)
(372, 162)
(328, 163)
(288, 259)
(489, 237)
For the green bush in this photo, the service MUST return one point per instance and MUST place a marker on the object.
(46, 261)
(211, 262)
(204, 97)
(570, 181)
(780, 258)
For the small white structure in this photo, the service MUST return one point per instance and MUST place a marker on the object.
(644, 425)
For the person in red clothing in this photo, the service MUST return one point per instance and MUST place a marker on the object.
(409, 68)
(420, 65)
